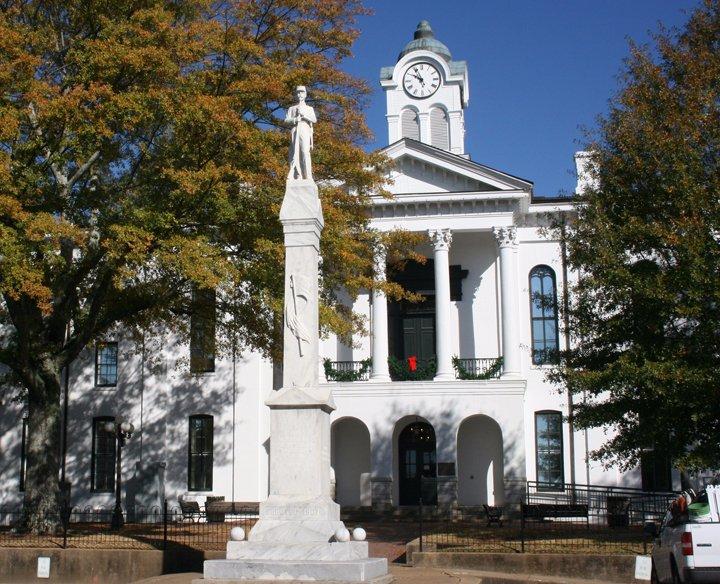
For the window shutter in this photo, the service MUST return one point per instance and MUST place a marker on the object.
(410, 125)
(439, 134)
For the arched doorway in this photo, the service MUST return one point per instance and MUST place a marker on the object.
(417, 461)
(480, 465)
(350, 458)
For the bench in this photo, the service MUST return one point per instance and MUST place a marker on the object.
(190, 511)
(542, 511)
(493, 514)
(216, 510)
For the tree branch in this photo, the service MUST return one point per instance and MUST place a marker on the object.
(82, 170)
(60, 177)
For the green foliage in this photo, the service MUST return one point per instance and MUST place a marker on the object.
(491, 372)
(143, 155)
(333, 374)
(400, 370)
(645, 313)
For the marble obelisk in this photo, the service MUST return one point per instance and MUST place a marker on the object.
(295, 537)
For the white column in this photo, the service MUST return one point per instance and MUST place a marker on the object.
(394, 132)
(424, 120)
(441, 239)
(457, 132)
(509, 294)
(380, 370)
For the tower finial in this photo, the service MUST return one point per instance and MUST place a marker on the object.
(423, 30)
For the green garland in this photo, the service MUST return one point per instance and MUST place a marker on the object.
(400, 370)
(489, 373)
(332, 374)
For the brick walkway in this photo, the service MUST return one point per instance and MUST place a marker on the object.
(387, 539)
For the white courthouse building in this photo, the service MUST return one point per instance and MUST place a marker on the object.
(491, 284)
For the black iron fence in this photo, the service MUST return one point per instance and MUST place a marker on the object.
(549, 519)
(145, 528)
(618, 506)
(521, 528)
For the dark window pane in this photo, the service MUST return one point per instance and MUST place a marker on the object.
(549, 448)
(106, 364)
(23, 453)
(543, 315)
(200, 453)
(103, 456)
(202, 331)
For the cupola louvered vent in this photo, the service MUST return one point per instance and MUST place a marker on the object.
(410, 125)
(439, 133)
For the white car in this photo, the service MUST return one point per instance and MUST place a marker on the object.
(686, 552)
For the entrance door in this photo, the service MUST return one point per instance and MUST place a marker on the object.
(416, 450)
(412, 330)
(419, 336)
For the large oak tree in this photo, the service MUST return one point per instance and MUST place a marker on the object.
(645, 314)
(142, 155)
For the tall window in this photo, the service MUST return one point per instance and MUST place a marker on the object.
(200, 453)
(23, 453)
(202, 331)
(549, 450)
(106, 364)
(103, 456)
(543, 315)
(439, 132)
(410, 124)
(656, 470)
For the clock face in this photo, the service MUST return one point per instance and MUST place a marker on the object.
(421, 80)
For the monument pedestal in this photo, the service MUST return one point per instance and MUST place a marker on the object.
(294, 539)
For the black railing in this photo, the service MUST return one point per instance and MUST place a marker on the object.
(521, 528)
(145, 528)
(484, 367)
(584, 519)
(616, 505)
(347, 370)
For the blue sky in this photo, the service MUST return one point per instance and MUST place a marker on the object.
(539, 70)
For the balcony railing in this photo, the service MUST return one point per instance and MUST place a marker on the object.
(347, 370)
(479, 368)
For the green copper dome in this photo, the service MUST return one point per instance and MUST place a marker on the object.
(425, 41)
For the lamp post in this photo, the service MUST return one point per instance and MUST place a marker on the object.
(122, 431)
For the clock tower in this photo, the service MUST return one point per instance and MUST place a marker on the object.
(426, 94)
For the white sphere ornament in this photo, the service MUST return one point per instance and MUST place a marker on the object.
(342, 534)
(237, 534)
(359, 534)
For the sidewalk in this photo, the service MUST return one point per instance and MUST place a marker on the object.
(409, 575)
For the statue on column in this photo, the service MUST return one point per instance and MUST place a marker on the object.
(301, 117)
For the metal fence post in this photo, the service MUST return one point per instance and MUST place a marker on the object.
(522, 527)
(165, 523)
(65, 521)
(420, 510)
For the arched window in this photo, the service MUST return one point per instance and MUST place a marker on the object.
(543, 315)
(410, 124)
(200, 453)
(549, 450)
(439, 133)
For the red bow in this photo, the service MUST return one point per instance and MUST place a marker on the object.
(412, 363)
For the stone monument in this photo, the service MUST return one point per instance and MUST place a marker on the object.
(299, 536)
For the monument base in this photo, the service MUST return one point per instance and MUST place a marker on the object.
(331, 551)
(369, 570)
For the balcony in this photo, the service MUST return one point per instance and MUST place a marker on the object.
(480, 368)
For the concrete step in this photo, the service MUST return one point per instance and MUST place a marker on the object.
(479, 577)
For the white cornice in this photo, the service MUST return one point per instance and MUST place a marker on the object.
(449, 197)
(485, 388)
(455, 163)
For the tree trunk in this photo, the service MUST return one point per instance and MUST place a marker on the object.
(41, 509)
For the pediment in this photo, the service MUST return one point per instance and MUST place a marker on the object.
(421, 168)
